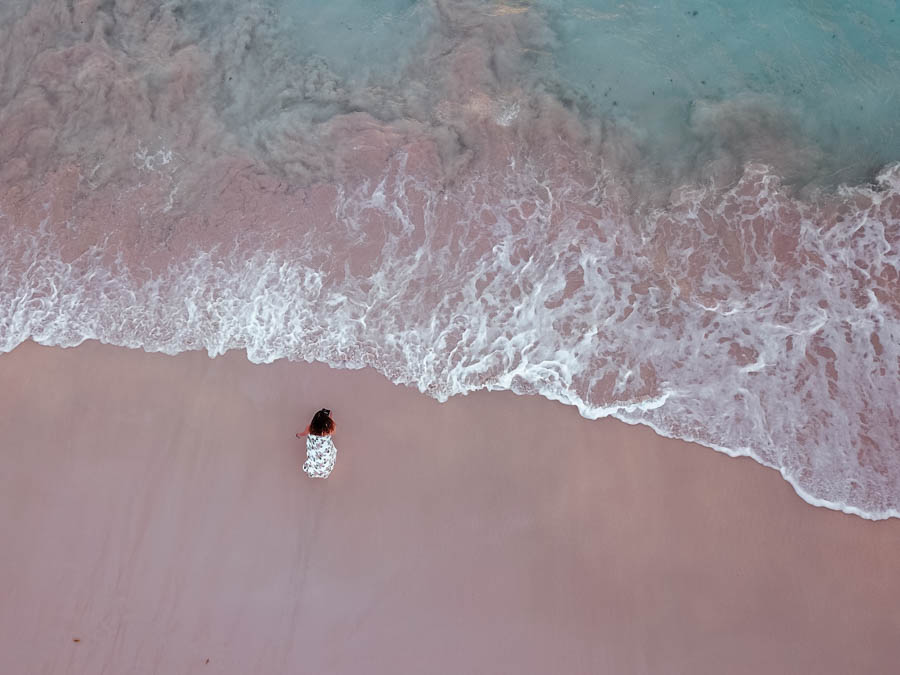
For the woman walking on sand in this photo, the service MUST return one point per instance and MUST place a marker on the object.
(320, 450)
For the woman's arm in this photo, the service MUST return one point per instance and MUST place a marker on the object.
(301, 434)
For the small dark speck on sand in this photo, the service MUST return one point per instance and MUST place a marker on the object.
(702, 81)
(653, 93)
(694, 13)
(833, 35)
(615, 103)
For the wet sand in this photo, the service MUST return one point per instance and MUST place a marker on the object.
(154, 519)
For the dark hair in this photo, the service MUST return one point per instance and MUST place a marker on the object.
(322, 424)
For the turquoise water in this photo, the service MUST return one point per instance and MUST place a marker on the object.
(689, 82)
(363, 42)
(809, 87)
(828, 70)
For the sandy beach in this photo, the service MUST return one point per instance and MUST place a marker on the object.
(154, 519)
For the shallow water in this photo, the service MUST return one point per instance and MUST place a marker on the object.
(825, 71)
(472, 195)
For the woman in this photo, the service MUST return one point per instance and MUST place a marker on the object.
(320, 450)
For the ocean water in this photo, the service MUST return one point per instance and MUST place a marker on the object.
(685, 216)
(820, 74)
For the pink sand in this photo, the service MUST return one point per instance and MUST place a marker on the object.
(154, 519)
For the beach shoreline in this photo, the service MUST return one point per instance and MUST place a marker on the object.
(155, 516)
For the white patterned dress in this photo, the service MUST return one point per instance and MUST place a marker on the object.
(320, 456)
